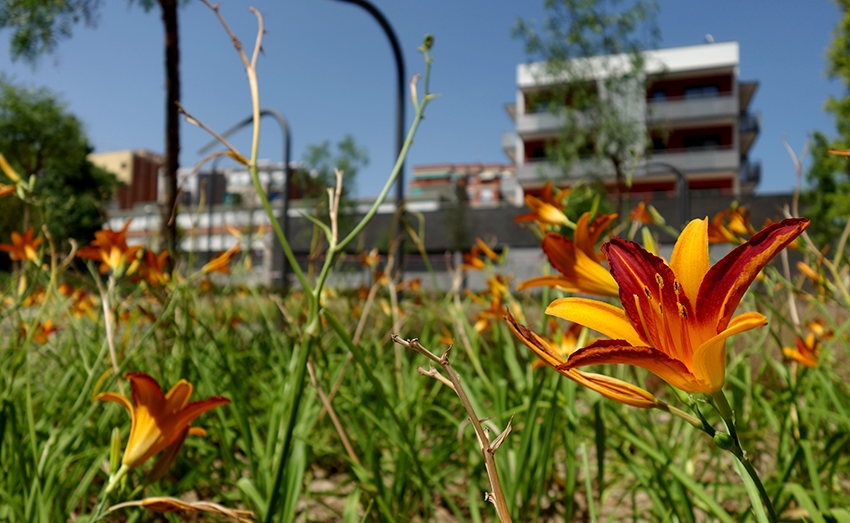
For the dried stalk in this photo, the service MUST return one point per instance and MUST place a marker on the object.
(488, 448)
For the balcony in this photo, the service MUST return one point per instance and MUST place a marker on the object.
(750, 173)
(680, 108)
(698, 159)
(544, 170)
(539, 123)
(749, 125)
(509, 143)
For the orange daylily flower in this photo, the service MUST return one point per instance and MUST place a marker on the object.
(642, 215)
(35, 297)
(152, 268)
(541, 212)
(111, 249)
(472, 260)
(370, 259)
(578, 262)
(6, 190)
(611, 388)
(676, 318)
(42, 331)
(486, 249)
(163, 504)
(158, 419)
(547, 209)
(806, 352)
(220, 264)
(818, 326)
(23, 247)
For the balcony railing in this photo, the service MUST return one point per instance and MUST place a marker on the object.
(750, 172)
(749, 122)
(692, 107)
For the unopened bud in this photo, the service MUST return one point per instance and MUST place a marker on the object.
(115, 451)
(428, 41)
(723, 441)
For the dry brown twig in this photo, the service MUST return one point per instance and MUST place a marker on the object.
(488, 447)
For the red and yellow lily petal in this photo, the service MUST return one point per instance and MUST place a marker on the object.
(609, 387)
(596, 315)
(587, 233)
(579, 272)
(158, 419)
(659, 327)
(727, 280)
(806, 352)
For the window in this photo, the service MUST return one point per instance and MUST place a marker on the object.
(487, 196)
(659, 95)
(702, 91)
(659, 144)
(702, 141)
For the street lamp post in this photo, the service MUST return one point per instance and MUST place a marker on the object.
(287, 178)
(399, 130)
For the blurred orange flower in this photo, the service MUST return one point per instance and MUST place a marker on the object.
(23, 247)
(42, 331)
(6, 190)
(548, 209)
(152, 268)
(158, 420)
(220, 264)
(640, 214)
(806, 352)
(111, 249)
(578, 262)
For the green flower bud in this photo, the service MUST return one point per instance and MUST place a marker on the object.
(428, 41)
(115, 451)
(723, 441)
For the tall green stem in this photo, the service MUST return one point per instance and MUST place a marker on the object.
(729, 419)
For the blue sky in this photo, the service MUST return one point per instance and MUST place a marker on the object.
(328, 68)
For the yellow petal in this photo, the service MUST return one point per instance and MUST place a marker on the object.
(690, 260)
(607, 319)
(709, 360)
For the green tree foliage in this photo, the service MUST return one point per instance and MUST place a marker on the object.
(827, 200)
(40, 137)
(320, 162)
(317, 174)
(594, 72)
(40, 24)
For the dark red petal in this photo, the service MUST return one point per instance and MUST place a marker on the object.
(727, 281)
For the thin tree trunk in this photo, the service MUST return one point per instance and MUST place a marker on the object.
(172, 125)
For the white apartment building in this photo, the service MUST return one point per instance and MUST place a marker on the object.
(696, 112)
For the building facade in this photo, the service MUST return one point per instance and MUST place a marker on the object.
(138, 173)
(695, 109)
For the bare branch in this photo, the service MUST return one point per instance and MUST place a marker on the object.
(194, 121)
(236, 43)
(488, 449)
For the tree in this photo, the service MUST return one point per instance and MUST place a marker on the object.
(39, 24)
(317, 174)
(827, 200)
(38, 136)
(594, 70)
